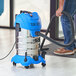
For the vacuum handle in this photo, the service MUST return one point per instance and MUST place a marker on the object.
(25, 12)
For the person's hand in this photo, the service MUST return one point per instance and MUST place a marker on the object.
(59, 12)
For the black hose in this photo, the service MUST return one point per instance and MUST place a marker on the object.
(9, 52)
(50, 39)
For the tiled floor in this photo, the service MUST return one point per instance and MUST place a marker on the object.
(56, 66)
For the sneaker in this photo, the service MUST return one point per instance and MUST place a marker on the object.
(63, 51)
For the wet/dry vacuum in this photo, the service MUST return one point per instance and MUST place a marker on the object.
(29, 50)
(27, 42)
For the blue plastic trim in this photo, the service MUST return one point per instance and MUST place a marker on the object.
(20, 59)
(32, 23)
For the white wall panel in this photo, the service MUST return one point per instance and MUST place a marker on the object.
(40, 6)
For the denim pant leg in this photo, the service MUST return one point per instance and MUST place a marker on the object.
(67, 31)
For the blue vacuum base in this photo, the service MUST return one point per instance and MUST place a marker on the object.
(20, 59)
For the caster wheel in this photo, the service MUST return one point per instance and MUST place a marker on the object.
(43, 64)
(35, 58)
(32, 66)
(26, 67)
(14, 64)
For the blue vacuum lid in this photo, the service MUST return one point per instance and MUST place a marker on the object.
(29, 21)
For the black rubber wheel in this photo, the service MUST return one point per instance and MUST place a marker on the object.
(14, 64)
(26, 67)
(43, 64)
(32, 66)
(35, 58)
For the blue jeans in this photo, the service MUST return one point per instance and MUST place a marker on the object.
(70, 7)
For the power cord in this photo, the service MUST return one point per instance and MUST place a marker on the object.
(9, 52)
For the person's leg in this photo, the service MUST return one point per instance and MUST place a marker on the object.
(67, 31)
(70, 7)
(67, 27)
(67, 37)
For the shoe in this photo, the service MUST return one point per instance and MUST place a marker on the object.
(62, 51)
(74, 50)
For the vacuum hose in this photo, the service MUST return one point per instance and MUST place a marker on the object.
(54, 41)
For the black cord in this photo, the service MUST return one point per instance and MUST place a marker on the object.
(9, 52)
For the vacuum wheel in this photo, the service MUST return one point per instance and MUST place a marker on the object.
(14, 64)
(32, 66)
(43, 64)
(26, 67)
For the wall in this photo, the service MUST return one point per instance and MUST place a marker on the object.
(40, 6)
